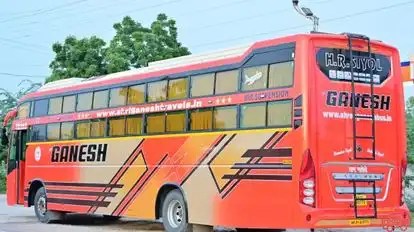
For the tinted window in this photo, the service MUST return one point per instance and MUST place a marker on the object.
(281, 74)
(100, 99)
(202, 85)
(53, 131)
(177, 89)
(134, 125)
(66, 130)
(227, 82)
(201, 119)
(83, 129)
(116, 126)
(253, 115)
(24, 110)
(157, 91)
(254, 78)
(55, 105)
(155, 123)
(69, 103)
(98, 128)
(40, 108)
(225, 117)
(279, 113)
(176, 121)
(118, 97)
(84, 102)
(38, 133)
(136, 94)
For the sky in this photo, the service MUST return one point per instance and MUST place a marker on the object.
(29, 28)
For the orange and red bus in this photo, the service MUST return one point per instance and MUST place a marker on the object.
(304, 131)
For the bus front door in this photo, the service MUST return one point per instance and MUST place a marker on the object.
(16, 168)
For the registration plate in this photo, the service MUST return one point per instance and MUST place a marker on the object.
(359, 222)
(361, 202)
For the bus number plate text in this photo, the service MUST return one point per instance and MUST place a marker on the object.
(359, 222)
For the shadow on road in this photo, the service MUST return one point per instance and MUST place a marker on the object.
(123, 223)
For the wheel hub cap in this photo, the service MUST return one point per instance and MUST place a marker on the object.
(175, 213)
(41, 205)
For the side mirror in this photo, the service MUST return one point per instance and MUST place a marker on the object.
(4, 138)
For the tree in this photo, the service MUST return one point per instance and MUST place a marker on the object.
(134, 46)
(78, 58)
(9, 101)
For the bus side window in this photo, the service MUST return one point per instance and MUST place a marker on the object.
(157, 91)
(118, 97)
(279, 113)
(117, 126)
(253, 115)
(136, 94)
(227, 82)
(225, 117)
(40, 108)
(176, 121)
(155, 123)
(23, 111)
(66, 130)
(98, 128)
(53, 131)
(100, 99)
(69, 103)
(55, 105)
(201, 119)
(177, 89)
(255, 78)
(134, 125)
(38, 133)
(281, 74)
(202, 85)
(84, 102)
(13, 147)
(83, 129)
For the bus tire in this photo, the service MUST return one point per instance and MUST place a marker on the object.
(174, 212)
(40, 208)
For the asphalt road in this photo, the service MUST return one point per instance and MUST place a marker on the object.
(20, 219)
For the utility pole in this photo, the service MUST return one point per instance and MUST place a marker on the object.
(307, 13)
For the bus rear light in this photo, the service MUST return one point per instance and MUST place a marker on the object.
(309, 183)
(308, 192)
(307, 180)
(309, 200)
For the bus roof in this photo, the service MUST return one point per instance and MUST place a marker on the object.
(170, 66)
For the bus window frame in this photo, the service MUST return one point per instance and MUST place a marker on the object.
(63, 103)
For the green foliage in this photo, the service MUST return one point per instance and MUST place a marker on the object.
(3, 174)
(9, 101)
(78, 58)
(133, 46)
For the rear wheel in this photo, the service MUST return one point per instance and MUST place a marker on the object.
(174, 212)
(40, 208)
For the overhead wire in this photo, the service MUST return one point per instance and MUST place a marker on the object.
(307, 25)
(22, 75)
(42, 11)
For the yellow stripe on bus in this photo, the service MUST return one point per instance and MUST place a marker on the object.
(164, 135)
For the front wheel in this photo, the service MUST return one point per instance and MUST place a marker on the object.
(40, 208)
(174, 212)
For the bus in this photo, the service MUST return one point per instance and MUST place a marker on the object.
(301, 131)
